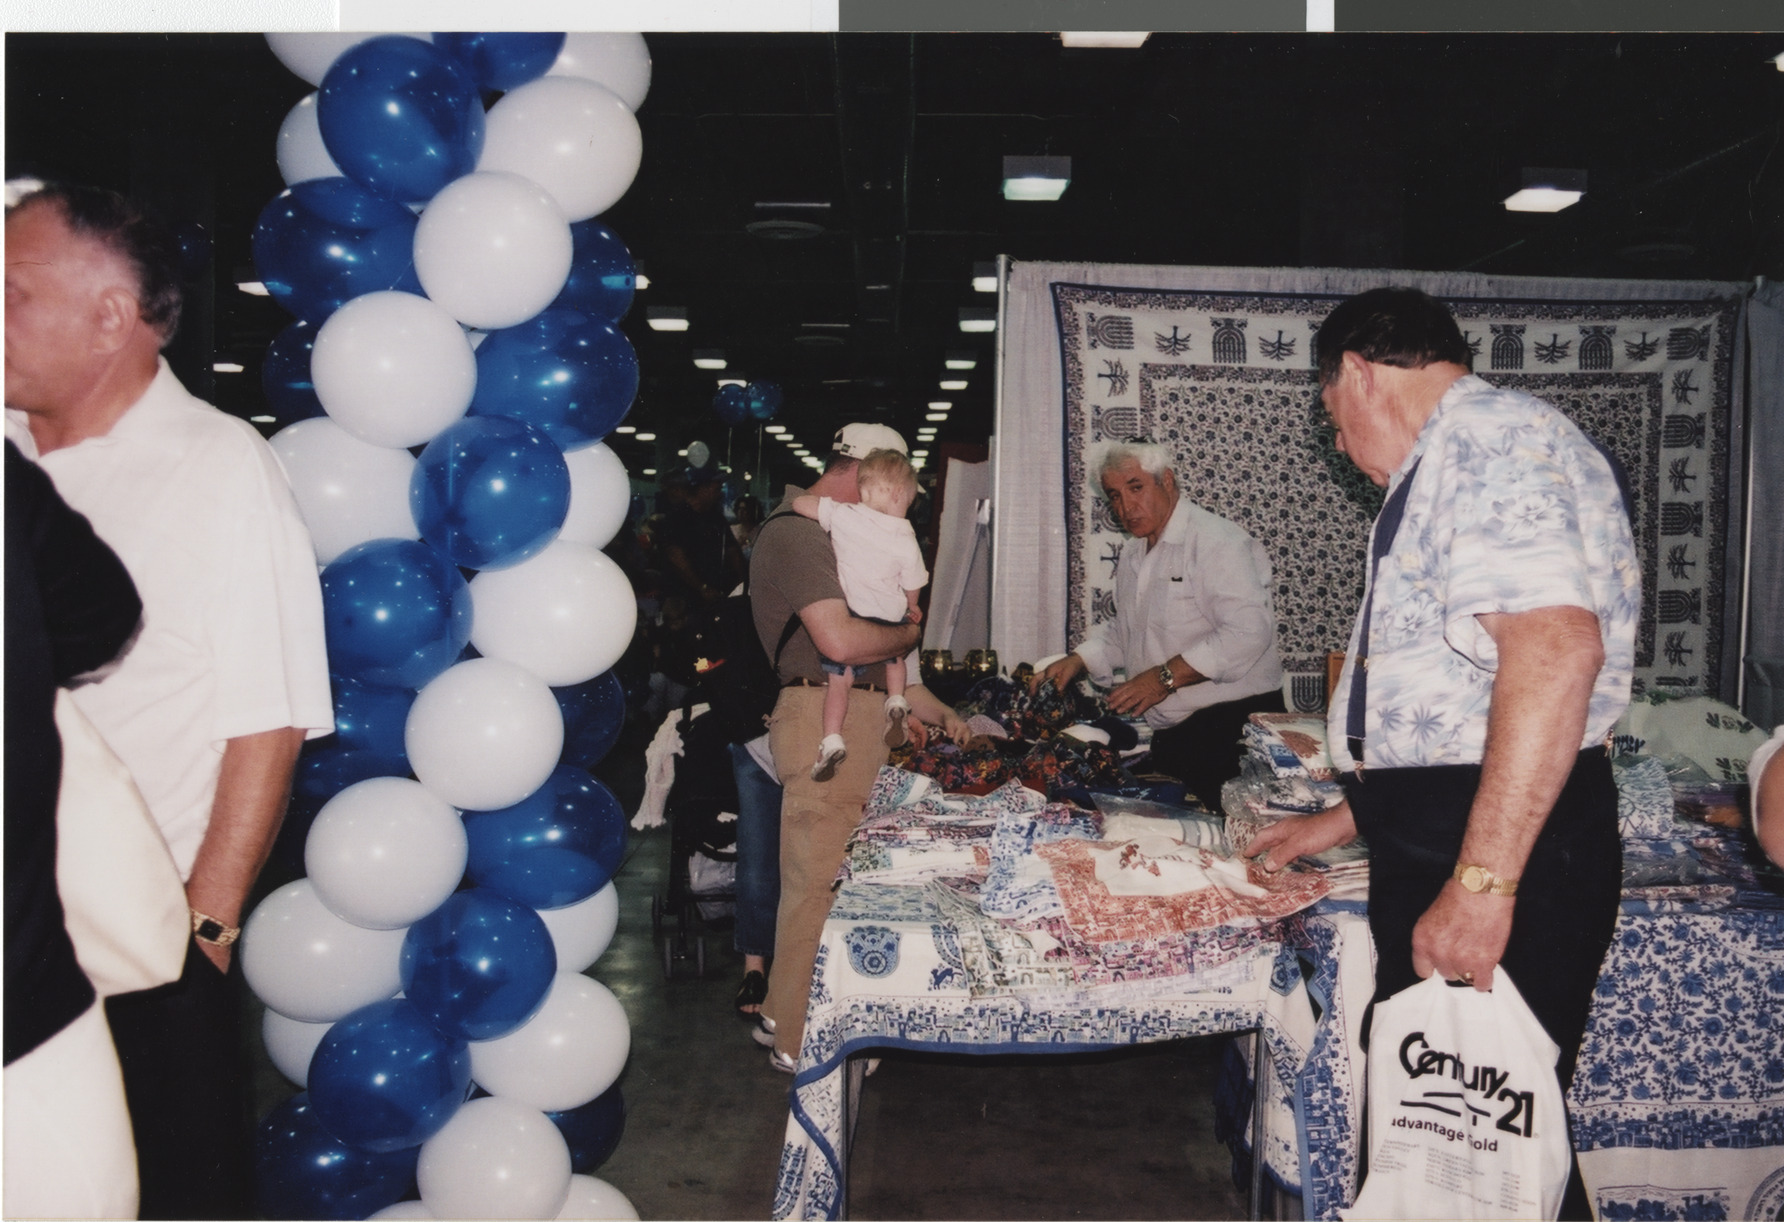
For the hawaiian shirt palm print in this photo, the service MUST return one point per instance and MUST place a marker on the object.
(1511, 508)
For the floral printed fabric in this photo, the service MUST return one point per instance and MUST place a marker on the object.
(1512, 510)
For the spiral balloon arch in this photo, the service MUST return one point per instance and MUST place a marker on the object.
(453, 292)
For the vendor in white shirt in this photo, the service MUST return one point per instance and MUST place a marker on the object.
(1194, 629)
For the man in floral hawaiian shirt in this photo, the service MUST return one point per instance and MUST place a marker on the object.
(1497, 633)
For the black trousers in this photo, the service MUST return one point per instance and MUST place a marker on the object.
(1566, 906)
(185, 1081)
(1204, 750)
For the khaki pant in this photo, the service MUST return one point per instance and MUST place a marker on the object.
(817, 818)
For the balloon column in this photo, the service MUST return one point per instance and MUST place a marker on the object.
(458, 853)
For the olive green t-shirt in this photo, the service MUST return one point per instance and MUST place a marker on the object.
(791, 567)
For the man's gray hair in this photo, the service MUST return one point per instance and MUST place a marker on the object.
(1154, 459)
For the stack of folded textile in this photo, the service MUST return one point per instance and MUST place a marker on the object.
(1287, 773)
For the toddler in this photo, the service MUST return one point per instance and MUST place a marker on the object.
(881, 570)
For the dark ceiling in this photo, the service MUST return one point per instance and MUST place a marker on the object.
(1386, 151)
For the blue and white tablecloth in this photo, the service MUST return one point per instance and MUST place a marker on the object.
(1678, 1103)
(912, 967)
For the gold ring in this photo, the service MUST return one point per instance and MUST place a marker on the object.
(1466, 977)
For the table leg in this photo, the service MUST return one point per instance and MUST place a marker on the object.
(1257, 1124)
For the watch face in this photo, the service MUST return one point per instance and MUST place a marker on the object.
(209, 930)
(1474, 878)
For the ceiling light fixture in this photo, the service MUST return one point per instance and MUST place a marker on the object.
(1547, 190)
(225, 367)
(666, 318)
(974, 319)
(936, 416)
(984, 277)
(1107, 39)
(682, 453)
(648, 471)
(709, 358)
(769, 204)
(253, 288)
(774, 429)
(626, 429)
(953, 383)
(1778, 61)
(640, 281)
(732, 382)
(264, 419)
(961, 360)
(939, 405)
(644, 437)
(1036, 178)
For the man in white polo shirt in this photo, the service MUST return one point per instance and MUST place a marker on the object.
(229, 675)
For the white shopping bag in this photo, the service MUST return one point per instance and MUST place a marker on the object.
(1465, 1116)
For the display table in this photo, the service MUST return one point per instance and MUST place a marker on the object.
(907, 967)
(1678, 1103)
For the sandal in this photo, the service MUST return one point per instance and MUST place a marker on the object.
(750, 993)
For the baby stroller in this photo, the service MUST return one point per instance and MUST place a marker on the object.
(702, 814)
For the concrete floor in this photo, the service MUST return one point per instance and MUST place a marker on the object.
(1119, 1135)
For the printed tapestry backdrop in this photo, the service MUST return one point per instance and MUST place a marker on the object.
(1224, 379)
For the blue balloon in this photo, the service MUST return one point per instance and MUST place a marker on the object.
(557, 846)
(489, 492)
(593, 1130)
(401, 117)
(384, 1078)
(503, 61)
(764, 399)
(731, 404)
(372, 720)
(594, 715)
(313, 267)
(324, 768)
(559, 371)
(341, 201)
(285, 375)
(396, 613)
(303, 1171)
(602, 275)
(478, 966)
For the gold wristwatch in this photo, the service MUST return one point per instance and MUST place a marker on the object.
(1167, 678)
(1479, 879)
(210, 929)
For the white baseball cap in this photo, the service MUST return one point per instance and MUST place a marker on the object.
(859, 440)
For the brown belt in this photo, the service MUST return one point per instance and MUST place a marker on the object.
(860, 687)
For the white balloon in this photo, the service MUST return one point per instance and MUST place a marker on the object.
(310, 55)
(619, 61)
(582, 931)
(566, 614)
(408, 1211)
(485, 734)
(308, 964)
(495, 1159)
(290, 1045)
(393, 369)
(571, 136)
(492, 249)
(385, 852)
(570, 1051)
(300, 150)
(594, 1198)
(348, 491)
(600, 496)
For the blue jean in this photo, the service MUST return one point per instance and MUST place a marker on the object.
(758, 854)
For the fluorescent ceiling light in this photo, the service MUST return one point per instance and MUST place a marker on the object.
(774, 428)
(939, 405)
(640, 282)
(984, 277)
(667, 318)
(1779, 61)
(1541, 199)
(961, 360)
(1547, 190)
(769, 204)
(919, 453)
(953, 383)
(225, 367)
(802, 452)
(644, 437)
(1036, 178)
(264, 419)
(936, 416)
(252, 288)
(708, 358)
(648, 471)
(682, 453)
(977, 319)
(1114, 39)
(732, 382)
(626, 430)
